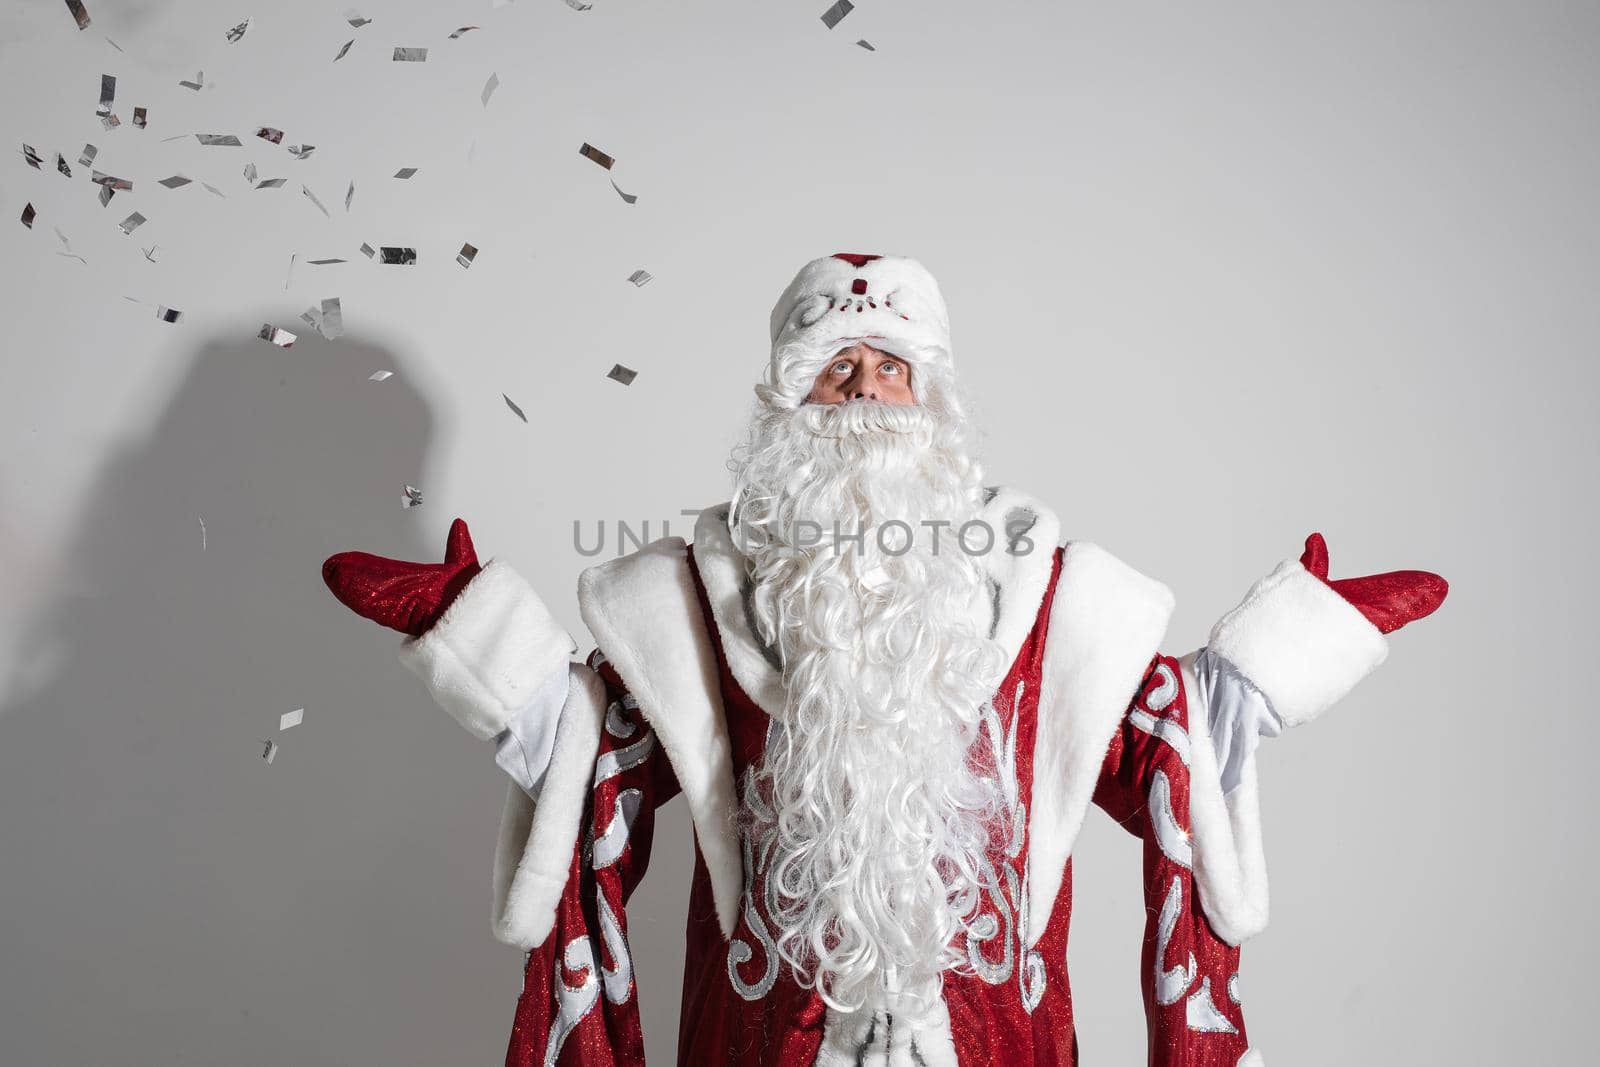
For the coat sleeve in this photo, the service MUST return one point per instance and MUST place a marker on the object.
(1188, 970)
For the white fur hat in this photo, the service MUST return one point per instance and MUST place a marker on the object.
(889, 302)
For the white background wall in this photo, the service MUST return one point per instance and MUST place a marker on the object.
(1220, 275)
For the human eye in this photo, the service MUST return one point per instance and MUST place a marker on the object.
(842, 367)
(889, 366)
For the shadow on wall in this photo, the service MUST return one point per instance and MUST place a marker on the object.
(168, 896)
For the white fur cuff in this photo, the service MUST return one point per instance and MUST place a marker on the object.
(1299, 642)
(489, 653)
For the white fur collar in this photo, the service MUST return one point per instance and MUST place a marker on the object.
(1017, 582)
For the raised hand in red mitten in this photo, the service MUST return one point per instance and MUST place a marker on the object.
(403, 596)
(1389, 600)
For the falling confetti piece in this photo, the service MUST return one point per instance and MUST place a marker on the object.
(328, 320)
(639, 277)
(115, 45)
(838, 11)
(467, 254)
(380, 376)
(302, 151)
(627, 198)
(30, 156)
(354, 18)
(267, 133)
(78, 13)
(349, 195)
(239, 30)
(410, 55)
(591, 152)
(199, 80)
(87, 158)
(324, 262)
(62, 236)
(291, 718)
(166, 314)
(108, 94)
(399, 257)
(110, 181)
(110, 122)
(344, 50)
(619, 373)
(270, 753)
(213, 189)
(106, 193)
(367, 250)
(271, 183)
(405, 172)
(309, 195)
(61, 165)
(140, 117)
(866, 45)
(281, 338)
(413, 497)
(202, 533)
(515, 410)
(74, 255)
(221, 140)
(462, 30)
(289, 277)
(250, 173)
(28, 215)
(488, 88)
(579, 5)
(153, 253)
(131, 223)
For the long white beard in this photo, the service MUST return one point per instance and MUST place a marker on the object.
(871, 809)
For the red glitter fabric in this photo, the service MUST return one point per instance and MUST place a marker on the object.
(578, 1007)
(403, 596)
(1388, 600)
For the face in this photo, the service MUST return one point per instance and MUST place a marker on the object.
(862, 372)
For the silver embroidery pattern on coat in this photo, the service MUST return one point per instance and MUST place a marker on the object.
(573, 1002)
(1202, 1014)
(610, 842)
(1172, 984)
(1173, 839)
(610, 764)
(618, 980)
(739, 950)
(1166, 730)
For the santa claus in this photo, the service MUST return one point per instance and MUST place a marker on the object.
(889, 696)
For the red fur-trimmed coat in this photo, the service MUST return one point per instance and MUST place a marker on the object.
(678, 698)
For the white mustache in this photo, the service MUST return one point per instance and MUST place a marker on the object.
(856, 417)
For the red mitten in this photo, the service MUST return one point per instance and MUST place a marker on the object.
(403, 596)
(1389, 600)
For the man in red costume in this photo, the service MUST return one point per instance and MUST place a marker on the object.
(889, 696)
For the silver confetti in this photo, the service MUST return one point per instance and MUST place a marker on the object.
(199, 80)
(61, 165)
(174, 137)
(221, 140)
(166, 314)
(349, 195)
(108, 94)
(87, 158)
(413, 497)
(267, 133)
(344, 50)
(30, 156)
(202, 533)
(291, 718)
(579, 5)
(239, 30)
(405, 172)
(354, 18)
(131, 223)
(639, 277)
(462, 30)
(106, 193)
(627, 198)
(619, 373)
(140, 117)
(367, 250)
(110, 181)
(467, 254)
(328, 320)
(270, 753)
(589, 151)
(309, 195)
(115, 45)
(153, 253)
(324, 262)
(28, 215)
(213, 189)
(380, 376)
(395, 256)
(110, 122)
(271, 183)
(79, 13)
(488, 88)
(410, 55)
(74, 255)
(867, 45)
(62, 236)
(281, 338)
(250, 173)
(515, 410)
(838, 11)
(289, 276)
(302, 151)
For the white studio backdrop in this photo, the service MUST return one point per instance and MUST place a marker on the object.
(1220, 275)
